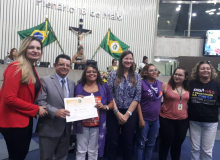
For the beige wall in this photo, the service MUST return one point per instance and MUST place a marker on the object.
(74, 75)
(137, 27)
(175, 47)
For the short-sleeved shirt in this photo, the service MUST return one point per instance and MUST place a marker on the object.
(203, 98)
(150, 109)
(125, 92)
(91, 122)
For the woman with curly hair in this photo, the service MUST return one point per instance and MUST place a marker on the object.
(148, 113)
(203, 111)
(90, 133)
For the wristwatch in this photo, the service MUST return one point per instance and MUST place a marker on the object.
(129, 113)
(107, 108)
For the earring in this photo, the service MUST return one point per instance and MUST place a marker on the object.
(38, 63)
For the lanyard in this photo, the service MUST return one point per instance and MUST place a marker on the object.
(180, 93)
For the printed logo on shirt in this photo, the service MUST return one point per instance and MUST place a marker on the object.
(203, 96)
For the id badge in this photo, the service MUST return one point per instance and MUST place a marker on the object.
(180, 106)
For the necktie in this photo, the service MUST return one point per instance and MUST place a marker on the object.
(64, 88)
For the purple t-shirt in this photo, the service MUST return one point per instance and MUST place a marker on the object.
(97, 94)
(150, 109)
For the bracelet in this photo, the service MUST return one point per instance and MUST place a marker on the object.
(129, 113)
(107, 108)
(116, 111)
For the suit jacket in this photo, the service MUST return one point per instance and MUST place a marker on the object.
(16, 99)
(52, 97)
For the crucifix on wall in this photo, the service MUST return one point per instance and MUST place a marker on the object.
(80, 32)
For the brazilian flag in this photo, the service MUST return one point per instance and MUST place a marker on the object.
(42, 31)
(113, 45)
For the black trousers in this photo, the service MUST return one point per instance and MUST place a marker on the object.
(113, 133)
(18, 140)
(172, 134)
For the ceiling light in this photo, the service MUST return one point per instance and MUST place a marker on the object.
(211, 13)
(218, 13)
(213, 10)
(194, 14)
(177, 9)
(157, 60)
(218, 8)
(170, 61)
(168, 22)
(179, 6)
(207, 11)
(158, 15)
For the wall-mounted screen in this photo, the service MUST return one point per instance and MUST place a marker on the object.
(212, 43)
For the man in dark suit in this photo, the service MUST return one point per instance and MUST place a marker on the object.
(54, 132)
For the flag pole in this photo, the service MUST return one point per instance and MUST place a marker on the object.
(95, 52)
(54, 35)
(99, 47)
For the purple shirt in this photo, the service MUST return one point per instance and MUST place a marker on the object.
(96, 94)
(150, 109)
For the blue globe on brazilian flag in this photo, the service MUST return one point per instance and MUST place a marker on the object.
(42, 31)
(113, 45)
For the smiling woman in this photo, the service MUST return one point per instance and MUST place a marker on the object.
(173, 116)
(90, 133)
(125, 85)
(21, 86)
(203, 111)
(148, 112)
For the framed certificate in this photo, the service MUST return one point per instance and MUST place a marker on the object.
(80, 108)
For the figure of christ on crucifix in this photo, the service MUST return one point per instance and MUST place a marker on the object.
(80, 32)
(80, 36)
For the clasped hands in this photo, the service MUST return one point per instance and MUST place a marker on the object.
(42, 111)
(122, 118)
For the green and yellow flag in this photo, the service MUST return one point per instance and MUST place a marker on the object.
(113, 45)
(42, 31)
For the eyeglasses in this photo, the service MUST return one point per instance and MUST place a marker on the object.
(202, 62)
(179, 75)
(91, 72)
(63, 65)
(153, 70)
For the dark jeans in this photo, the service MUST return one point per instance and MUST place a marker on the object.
(172, 134)
(18, 140)
(127, 131)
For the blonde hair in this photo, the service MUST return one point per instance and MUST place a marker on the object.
(24, 64)
(79, 55)
(195, 70)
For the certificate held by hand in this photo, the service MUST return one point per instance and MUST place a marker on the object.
(80, 108)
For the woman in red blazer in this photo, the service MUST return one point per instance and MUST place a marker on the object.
(21, 86)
